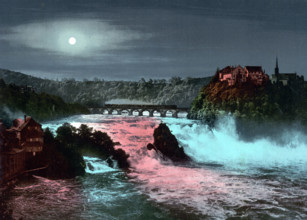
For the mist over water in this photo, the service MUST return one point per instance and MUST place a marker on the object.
(223, 145)
(228, 177)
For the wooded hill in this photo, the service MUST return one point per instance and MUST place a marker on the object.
(175, 91)
(15, 101)
(274, 102)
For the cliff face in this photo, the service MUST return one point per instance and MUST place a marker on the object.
(247, 101)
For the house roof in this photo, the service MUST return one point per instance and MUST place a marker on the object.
(21, 124)
(287, 76)
(227, 69)
(26, 122)
(254, 68)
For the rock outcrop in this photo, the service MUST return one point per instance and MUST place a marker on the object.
(166, 143)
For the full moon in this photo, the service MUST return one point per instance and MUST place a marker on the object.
(72, 41)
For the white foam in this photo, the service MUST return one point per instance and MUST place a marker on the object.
(95, 165)
(223, 145)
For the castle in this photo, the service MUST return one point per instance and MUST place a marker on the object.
(255, 75)
(236, 75)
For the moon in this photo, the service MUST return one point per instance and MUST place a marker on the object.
(72, 41)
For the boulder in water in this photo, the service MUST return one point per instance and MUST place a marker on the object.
(90, 166)
(166, 143)
(121, 157)
(150, 146)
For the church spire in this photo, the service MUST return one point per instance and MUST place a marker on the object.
(276, 68)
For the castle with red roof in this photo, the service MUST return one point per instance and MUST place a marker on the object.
(236, 75)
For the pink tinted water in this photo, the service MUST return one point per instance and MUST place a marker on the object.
(204, 190)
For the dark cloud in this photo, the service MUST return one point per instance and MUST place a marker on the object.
(130, 39)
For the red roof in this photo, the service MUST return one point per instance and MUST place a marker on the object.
(20, 124)
(252, 69)
(227, 69)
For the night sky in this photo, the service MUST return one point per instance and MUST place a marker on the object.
(131, 39)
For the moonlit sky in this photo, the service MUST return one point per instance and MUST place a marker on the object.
(131, 39)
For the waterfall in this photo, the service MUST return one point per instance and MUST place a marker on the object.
(96, 165)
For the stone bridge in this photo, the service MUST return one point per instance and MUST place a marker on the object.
(162, 110)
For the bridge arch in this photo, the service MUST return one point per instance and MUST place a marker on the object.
(125, 111)
(147, 112)
(156, 113)
(115, 112)
(135, 112)
(169, 113)
(182, 113)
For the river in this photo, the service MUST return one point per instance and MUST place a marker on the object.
(229, 178)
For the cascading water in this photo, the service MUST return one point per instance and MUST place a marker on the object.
(228, 178)
(95, 165)
(222, 145)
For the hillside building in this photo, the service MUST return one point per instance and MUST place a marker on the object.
(287, 79)
(29, 134)
(236, 75)
(17, 145)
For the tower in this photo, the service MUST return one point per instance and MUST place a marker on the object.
(276, 68)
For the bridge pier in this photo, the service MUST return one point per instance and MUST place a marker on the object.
(163, 113)
(151, 112)
(175, 114)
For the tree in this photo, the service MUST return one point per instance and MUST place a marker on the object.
(85, 132)
(2, 83)
(65, 133)
(215, 78)
(175, 80)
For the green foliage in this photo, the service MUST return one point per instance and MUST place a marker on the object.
(95, 93)
(87, 141)
(270, 102)
(15, 99)
(64, 153)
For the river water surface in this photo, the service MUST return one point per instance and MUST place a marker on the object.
(228, 178)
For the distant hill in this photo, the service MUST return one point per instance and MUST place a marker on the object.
(15, 101)
(176, 91)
